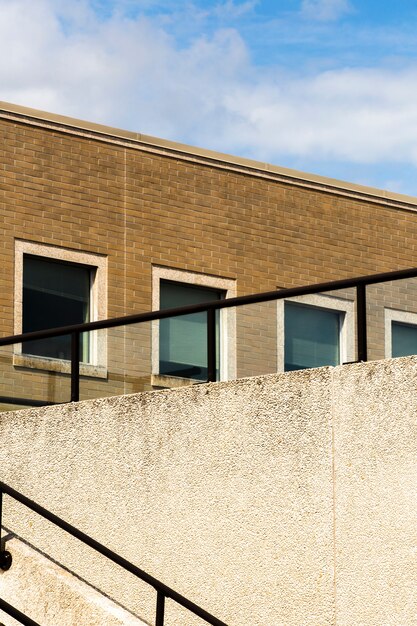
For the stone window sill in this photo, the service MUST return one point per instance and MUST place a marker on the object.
(160, 381)
(57, 365)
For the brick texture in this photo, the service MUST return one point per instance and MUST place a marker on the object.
(141, 208)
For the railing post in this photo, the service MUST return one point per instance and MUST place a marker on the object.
(211, 345)
(361, 322)
(5, 556)
(160, 608)
(75, 366)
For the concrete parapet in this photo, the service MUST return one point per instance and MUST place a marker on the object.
(284, 500)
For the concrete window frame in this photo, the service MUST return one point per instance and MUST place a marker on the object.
(227, 322)
(396, 315)
(344, 306)
(97, 366)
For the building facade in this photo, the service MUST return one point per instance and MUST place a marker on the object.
(99, 222)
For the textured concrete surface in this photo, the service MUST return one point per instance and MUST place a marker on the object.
(376, 493)
(283, 500)
(52, 596)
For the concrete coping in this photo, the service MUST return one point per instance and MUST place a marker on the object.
(174, 149)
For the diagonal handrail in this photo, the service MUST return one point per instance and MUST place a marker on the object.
(359, 283)
(16, 614)
(163, 591)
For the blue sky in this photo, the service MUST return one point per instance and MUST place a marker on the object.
(324, 86)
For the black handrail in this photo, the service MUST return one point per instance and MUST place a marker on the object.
(18, 615)
(266, 296)
(163, 591)
(360, 283)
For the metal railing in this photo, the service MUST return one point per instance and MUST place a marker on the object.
(162, 591)
(359, 283)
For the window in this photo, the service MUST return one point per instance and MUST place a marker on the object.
(400, 333)
(59, 287)
(315, 331)
(404, 339)
(179, 344)
(55, 294)
(312, 337)
(183, 339)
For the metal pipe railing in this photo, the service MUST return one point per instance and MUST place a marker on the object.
(211, 345)
(16, 614)
(75, 366)
(213, 304)
(361, 322)
(163, 591)
(360, 283)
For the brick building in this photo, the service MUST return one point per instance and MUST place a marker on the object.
(99, 222)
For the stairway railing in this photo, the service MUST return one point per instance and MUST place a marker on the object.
(162, 591)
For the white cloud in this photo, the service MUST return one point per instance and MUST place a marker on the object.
(365, 116)
(131, 73)
(232, 10)
(325, 10)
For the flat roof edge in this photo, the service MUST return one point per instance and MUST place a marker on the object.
(111, 134)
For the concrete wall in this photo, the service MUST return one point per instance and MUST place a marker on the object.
(286, 500)
(54, 595)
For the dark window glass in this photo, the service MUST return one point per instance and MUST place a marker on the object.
(311, 337)
(183, 339)
(54, 294)
(404, 339)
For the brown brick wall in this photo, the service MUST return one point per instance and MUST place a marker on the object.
(140, 208)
